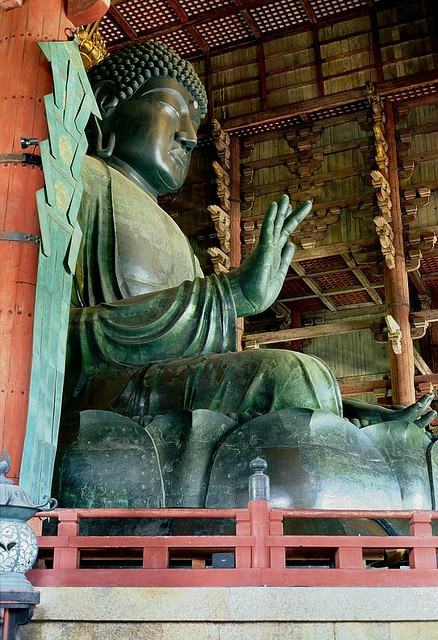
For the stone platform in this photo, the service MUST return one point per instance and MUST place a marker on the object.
(259, 613)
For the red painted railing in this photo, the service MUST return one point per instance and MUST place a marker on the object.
(263, 554)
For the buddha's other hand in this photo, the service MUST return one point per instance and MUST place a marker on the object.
(363, 414)
(258, 281)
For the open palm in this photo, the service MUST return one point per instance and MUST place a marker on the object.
(258, 281)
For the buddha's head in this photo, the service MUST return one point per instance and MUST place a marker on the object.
(151, 102)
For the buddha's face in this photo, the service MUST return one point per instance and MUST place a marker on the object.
(155, 132)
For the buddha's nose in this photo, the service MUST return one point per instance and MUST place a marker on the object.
(186, 135)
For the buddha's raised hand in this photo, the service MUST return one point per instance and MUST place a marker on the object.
(258, 281)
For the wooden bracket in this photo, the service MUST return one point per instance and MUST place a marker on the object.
(222, 224)
(419, 327)
(82, 12)
(414, 260)
(10, 4)
(394, 334)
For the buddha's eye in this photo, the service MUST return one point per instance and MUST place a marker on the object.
(171, 108)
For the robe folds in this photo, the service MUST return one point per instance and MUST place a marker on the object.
(149, 334)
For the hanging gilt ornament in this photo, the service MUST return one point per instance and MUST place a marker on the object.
(91, 44)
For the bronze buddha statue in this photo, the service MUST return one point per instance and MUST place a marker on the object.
(152, 342)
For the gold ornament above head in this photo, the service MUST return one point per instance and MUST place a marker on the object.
(91, 44)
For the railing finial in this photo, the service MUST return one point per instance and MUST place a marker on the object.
(259, 486)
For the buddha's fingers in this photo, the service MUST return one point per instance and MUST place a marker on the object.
(295, 218)
(426, 419)
(267, 230)
(283, 211)
(286, 257)
(416, 410)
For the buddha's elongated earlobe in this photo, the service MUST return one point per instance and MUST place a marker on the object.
(103, 138)
(102, 151)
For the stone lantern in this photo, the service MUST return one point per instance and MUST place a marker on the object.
(18, 552)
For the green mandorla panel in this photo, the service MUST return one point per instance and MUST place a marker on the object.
(68, 109)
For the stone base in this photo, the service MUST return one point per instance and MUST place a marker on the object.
(259, 613)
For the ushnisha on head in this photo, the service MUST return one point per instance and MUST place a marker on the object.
(151, 102)
(134, 65)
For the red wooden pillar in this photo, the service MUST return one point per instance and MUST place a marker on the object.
(25, 78)
(396, 281)
(235, 217)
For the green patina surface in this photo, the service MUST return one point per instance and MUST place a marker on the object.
(67, 110)
(153, 340)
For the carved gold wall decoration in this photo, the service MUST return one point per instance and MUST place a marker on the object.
(222, 224)
(220, 214)
(379, 177)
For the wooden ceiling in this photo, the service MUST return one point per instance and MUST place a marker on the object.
(287, 78)
(198, 27)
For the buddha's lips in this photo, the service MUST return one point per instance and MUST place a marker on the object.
(180, 156)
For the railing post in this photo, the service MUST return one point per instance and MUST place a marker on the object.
(259, 509)
(243, 528)
(67, 557)
(259, 514)
(349, 558)
(277, 554)
(155, 557)
(421, 526)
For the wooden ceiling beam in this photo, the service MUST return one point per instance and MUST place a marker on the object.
(429, 276)
(282, 185)
(315, 331)
(330, 102)
(338, 174)
(323, 330)
(332, 292)
(421, 364)
(369, 384)
(178, 10)
(223, 12)
(369, 288)
(318, 60)
(202, 44)
(296, 109)
(248, 19)
(320, 272)
(339, 147)
(123, 24)
(183, 17)
(313, 287)
(309, 11)
(376, 47)
(336, 249)
(431, 315)
(317, 317)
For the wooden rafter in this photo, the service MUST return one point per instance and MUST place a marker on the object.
(330, 102)
(313, 287)
(372, 323)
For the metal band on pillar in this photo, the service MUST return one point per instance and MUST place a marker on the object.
(19, 236)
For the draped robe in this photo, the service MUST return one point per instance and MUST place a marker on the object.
(148, 333)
